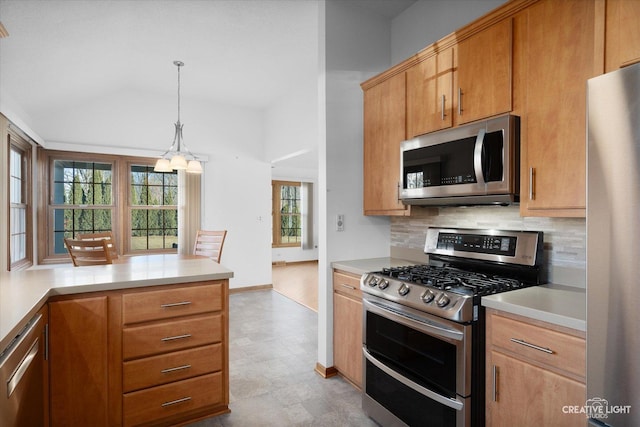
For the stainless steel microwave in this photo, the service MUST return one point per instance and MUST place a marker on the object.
(474, 164)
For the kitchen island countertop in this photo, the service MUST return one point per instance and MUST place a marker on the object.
(22, 293)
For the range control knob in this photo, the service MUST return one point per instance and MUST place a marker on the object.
(384, 284)
(373, 282)
(443, 300)
(428, 296)
(404, 289)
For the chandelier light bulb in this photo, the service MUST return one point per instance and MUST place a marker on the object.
(175, 158)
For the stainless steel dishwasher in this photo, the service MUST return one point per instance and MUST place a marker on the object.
(22, 366)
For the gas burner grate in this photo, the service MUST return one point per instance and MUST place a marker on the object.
(453, 279)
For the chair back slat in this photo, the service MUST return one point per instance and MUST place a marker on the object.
(103, 235)
(209, 244)
(88, 252)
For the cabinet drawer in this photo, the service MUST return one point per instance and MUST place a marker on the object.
(165, 304)
(170, 400)
(553, 348)
(147, 340)
(347, 284)
(166, 368)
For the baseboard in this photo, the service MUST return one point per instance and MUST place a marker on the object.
(250, 289)
(326, 372)
(285, 263)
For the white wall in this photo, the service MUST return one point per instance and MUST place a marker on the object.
(357, 47)
(237, 198)
(291, 129)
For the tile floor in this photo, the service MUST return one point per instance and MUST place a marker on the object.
(272, 355)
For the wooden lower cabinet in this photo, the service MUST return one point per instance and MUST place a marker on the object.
(347, 326)
(170, 403)
(146, 357)
(79, 363)
(535, 373)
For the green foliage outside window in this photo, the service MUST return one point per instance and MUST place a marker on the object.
(290, 222)
(83, 199)
(154, 213)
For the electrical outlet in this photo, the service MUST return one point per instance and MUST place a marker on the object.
(340, 222)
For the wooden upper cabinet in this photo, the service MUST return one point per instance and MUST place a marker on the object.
(430, 94)
(559, 56)
(384, 130)
(622, 33)
(484, 64)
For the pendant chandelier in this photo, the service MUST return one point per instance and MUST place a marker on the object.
(178, 156)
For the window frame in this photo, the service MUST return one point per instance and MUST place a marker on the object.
(120, 187)
(276, 186)
(129, 206)
(17, 143)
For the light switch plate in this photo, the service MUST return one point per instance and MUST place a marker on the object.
(340, 222)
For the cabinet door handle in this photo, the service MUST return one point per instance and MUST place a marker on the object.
(459, 101)
(535, 347)
(177, 337)
(174, 402)
(177, 368)
(494, 376)
(175, 304)
(532, 175)
(344, 285)
(442, 103)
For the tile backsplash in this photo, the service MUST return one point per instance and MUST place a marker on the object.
(564, 238)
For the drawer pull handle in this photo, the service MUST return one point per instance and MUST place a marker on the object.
(177, 337)
(344, 285)
(175, 402)
(175, 304)
(177, 368)
(536, 347)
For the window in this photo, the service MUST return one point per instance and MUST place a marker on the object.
(153, 208)
(20, 234)
(97, 192)
(82, 199)
(287, 221)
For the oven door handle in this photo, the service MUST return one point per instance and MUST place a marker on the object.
(451, 403)
(426, 326)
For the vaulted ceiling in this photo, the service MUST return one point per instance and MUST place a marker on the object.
(62, 54)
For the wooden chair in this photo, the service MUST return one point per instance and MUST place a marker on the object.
(88, 252)
(103, 235)
(209, 243)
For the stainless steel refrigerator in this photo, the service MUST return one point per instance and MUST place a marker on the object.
(613, 248)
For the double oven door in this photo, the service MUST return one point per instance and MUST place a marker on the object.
(417, 367)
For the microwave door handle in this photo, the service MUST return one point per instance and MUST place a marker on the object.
(477, 157)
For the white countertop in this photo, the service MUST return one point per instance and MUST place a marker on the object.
(557, 304)
(361, 266)
(22, 293)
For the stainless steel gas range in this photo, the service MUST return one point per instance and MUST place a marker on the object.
(423, 332)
